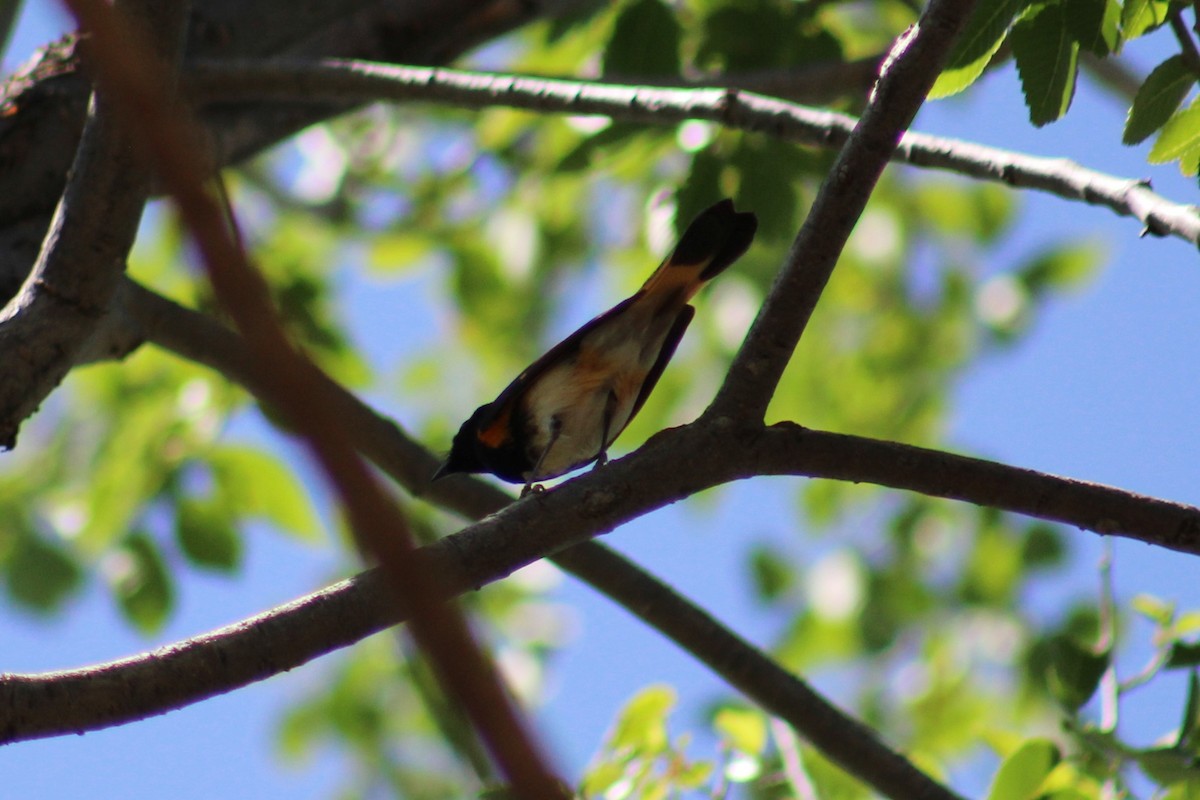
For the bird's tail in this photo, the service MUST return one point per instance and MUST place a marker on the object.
(715, 239)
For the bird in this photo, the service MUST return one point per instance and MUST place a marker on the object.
(566, 409)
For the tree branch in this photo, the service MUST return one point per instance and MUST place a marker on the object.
(214, 82)
(906, 77)
(125, 69)
(83, 257)
(42, 111)
(63, 702)
(199, 338)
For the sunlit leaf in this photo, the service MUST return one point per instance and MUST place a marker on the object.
(1158, 98)
(745, 729)
(1022, 773)
(1153, 608)
(1139, 17)
(256, 483)
(642, 724)
(981, 38)
(1180, 136)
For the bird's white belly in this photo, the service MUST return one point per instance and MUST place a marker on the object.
(575, 398)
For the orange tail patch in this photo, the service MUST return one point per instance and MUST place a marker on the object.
(714, 240)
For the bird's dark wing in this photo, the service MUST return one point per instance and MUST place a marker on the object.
(500, 408)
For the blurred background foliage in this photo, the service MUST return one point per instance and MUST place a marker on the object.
(524, 226)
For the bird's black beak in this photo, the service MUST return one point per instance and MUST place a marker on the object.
(442, 471)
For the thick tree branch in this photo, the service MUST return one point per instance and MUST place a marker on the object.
(82, 259)
(126, 692)
(595, 503)
(199, 338)
(783, 449)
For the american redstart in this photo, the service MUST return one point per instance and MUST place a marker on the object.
(567, 408)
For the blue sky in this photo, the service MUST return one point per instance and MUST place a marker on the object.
(1105, 388)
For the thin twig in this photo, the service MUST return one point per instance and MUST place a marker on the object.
(290, 386)
(1187, 45)
(297, 82)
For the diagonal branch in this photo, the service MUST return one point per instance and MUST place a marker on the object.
(906, 77)
(83, 256)
(124, 69)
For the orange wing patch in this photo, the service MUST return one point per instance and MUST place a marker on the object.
(497, 433)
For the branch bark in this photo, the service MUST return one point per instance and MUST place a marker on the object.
(292, 81)
(905, 79)
(191, 671)
(47, 323)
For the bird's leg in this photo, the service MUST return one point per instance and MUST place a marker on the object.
(555, 430)
(610, 409)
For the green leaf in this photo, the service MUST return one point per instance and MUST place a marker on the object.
(1183, 790)
(700, 189)
(1022, 773)
(1061, 267)
(642, 726)
(207, 536)
(1190, 711)
(1167, 765)
(1158, 98)
(1187, 623)
(1158, 611)
(397, 252)
(1075, 672)
(1095, 24)
(40, 574)
(771, 572)
(256, 483)
(644, 43)
(142, 584)
(1180, 135)
(751, 36)
(745, 729)
(1047, 57)
(767, 170)
(979, 41)
(1043, 546)
(1139, 17)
